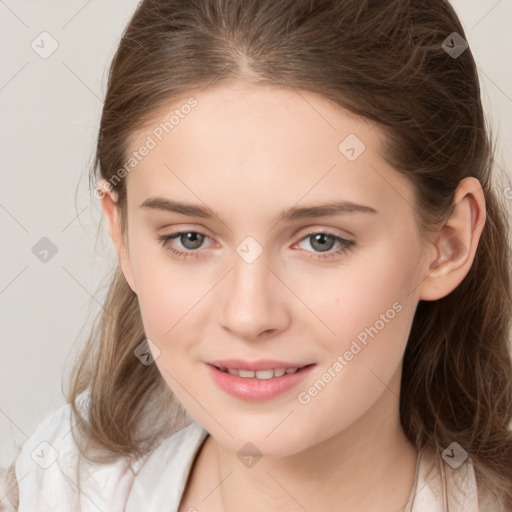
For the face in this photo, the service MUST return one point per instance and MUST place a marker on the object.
(260, 270)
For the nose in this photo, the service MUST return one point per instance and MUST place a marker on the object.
(255, 301)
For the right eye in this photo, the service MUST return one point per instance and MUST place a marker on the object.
(190, 240)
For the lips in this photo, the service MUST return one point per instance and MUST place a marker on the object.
(266, 386)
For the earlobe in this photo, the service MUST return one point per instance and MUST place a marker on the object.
(110, 209)
(456, 244)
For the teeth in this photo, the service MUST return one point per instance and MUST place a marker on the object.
(246, 373)
(260, 374)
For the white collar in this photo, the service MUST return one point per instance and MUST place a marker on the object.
(163, 474)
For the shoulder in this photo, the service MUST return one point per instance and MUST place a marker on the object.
(53, 475)
(161, 480)
(448, 483)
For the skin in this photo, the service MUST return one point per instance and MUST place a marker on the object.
(249, 152)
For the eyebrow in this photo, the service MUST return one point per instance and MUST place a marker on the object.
(294, 213)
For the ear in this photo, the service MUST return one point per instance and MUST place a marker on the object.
(455, 245)
(111, 212)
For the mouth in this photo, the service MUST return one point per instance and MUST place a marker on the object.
(265, 382)
(270, 373)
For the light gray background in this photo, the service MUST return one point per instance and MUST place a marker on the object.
(50, 111)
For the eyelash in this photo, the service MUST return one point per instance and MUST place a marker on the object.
(346, 246)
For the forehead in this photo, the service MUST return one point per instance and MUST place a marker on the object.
(279, 145)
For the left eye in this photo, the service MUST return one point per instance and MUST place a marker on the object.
(321, 241)
(325, 241)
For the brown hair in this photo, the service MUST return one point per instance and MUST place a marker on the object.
(381, 59)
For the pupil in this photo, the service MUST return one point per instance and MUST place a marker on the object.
(195, 238)
(321, 237)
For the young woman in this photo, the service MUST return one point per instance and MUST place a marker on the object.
(312, 305)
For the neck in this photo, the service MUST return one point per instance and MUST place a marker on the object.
(368, 466)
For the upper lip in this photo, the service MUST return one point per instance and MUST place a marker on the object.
(262, 364)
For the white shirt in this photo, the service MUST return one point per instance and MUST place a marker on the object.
(53, 476)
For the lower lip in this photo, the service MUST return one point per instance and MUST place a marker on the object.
(258, 389)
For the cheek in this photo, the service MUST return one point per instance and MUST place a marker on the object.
(168, 290)
(375, 319)
(367, 290)
(366, 311)
(168, 303)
